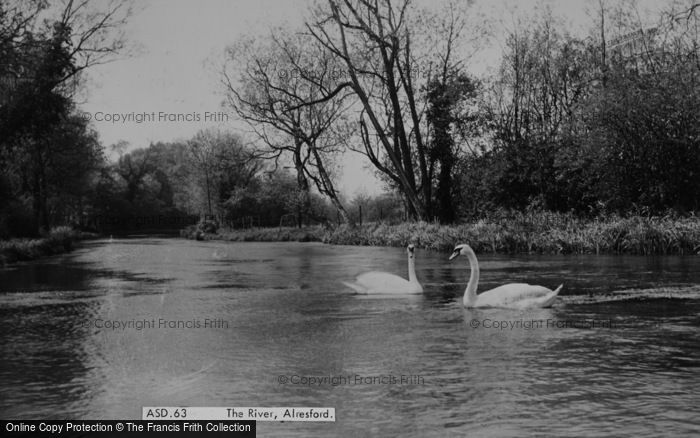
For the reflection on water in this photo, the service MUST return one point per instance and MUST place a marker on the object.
(244, 314)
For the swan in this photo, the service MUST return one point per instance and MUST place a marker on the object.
(513, 295)
(376, 282)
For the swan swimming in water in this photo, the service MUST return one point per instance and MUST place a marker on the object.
(513, 295)
(385, 283)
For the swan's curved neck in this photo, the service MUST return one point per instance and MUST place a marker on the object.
(470, 292)
(412, 270)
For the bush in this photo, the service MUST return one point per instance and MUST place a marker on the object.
(199, 232)
(208, 226)
(57, 241)
(537, 232)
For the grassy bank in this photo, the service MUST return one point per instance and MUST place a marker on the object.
(535, 232)
(543, 233)
(59, 240)
(282, 234)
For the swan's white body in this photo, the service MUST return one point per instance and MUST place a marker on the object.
(513, 295)
(376, 282)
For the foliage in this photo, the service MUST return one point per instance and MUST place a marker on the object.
(574, 130)
(167, 186)
(444, 96)
(207, 226)
(391, 51)
(381, 208)
(597, 138)
(48, 154)
(276, 234)
(645, 137)
(537, 232)
(58, 240)
(221, 164)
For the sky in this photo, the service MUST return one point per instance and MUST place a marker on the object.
(174, 70)
(178, 48)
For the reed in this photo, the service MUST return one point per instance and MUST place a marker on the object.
(58, 240)
(505, 232)
(537, 232)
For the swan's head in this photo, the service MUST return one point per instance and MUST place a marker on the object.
(461, 249)
(410, 249)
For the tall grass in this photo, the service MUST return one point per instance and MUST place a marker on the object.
(511, 232)
(59, 240)
(538, 232)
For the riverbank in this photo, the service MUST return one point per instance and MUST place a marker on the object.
(278, 234)
(59, 240)
(539, 233)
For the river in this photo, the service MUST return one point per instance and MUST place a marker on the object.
(117, 325)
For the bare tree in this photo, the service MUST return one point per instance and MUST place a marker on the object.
(285, 88)
(97, 35)
(544, 74)
(391, 51)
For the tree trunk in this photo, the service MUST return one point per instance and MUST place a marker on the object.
(325, 185)
(39, 193)
(407, 182)
(206, 182)
(302, 183)
(446, 212)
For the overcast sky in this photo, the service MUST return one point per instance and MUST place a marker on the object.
(174, 70)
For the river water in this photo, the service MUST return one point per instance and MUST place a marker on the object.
(618, 354)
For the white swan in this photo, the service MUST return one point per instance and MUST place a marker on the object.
(513, 295)
(385, 283)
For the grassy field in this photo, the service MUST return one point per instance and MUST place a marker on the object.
(59, 240)
(542, 232)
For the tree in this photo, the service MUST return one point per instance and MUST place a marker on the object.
(595, 125)
(545, 74)
(268, 199)
(444, 96)
(391, 51)
(284, 88)
(75, 158)
(133, 169)
(221, 163)
(643, 121)
(43, 68)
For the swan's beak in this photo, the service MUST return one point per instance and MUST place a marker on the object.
(454, 255)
